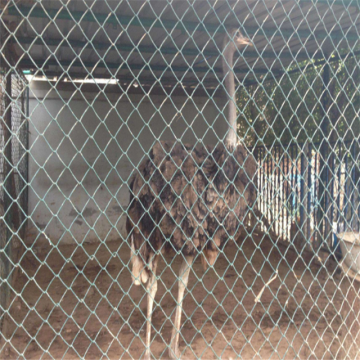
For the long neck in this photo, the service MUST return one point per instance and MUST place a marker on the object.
(227, 65)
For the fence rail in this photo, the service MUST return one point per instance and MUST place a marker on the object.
(290, 198)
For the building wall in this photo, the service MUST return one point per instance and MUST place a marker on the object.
(83, 148)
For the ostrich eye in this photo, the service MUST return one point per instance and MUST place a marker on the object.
(238, 35)
(240, 39)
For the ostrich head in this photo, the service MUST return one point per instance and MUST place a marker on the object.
(232, 41)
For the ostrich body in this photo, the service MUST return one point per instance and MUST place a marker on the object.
(191, 200)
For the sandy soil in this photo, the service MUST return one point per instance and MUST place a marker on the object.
(80, 302)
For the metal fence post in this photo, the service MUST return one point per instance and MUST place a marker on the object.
(323, 165)
(8, 192)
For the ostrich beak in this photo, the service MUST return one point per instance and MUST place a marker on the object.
(240, 39)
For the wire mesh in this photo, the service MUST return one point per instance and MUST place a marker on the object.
(206, 151)
(13, 177)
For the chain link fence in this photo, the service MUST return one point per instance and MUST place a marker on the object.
(13, 177)
(180, 179)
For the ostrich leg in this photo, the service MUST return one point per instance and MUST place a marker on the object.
(174, 352)
(151, 288)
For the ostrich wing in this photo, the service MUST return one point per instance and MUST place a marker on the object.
(190, 199)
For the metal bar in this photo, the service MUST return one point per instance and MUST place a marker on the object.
(272, 190)
(259, 199)
(178, 89)
(298, 191)
(152, 49)
(302, 191)
(22, 191)
(346, 191)
(332, 160)
(26, 209)
(9, 183)
(327, 195)
(317, 170)
(124, 79)
(38, 63)
(292, 187)
(353, 216)
(125, 21)
(287, 193)
(268, 196)
(265, 181)
(284, 193)
(5, 241)
(356, 187)
(262, 179)
(278, 195)
(275, 190)
(339, 186)
(197, 85)
(324, 150)
(309, 190)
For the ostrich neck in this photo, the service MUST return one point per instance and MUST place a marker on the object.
(230, 140)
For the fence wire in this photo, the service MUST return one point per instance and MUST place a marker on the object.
(13, 177)
(179, 179)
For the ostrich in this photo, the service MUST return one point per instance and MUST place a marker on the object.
(190, 200)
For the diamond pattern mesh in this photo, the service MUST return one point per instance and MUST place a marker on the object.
(121, 114)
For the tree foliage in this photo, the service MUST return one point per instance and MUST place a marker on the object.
(292, 107)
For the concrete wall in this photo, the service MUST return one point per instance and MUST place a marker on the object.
(83, 148)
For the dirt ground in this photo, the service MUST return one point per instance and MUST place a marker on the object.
(79, 302)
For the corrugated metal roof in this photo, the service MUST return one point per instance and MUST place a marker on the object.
(178, 41)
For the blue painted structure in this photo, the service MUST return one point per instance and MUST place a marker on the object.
(289, 190)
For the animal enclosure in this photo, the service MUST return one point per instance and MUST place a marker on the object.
(174, 178)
